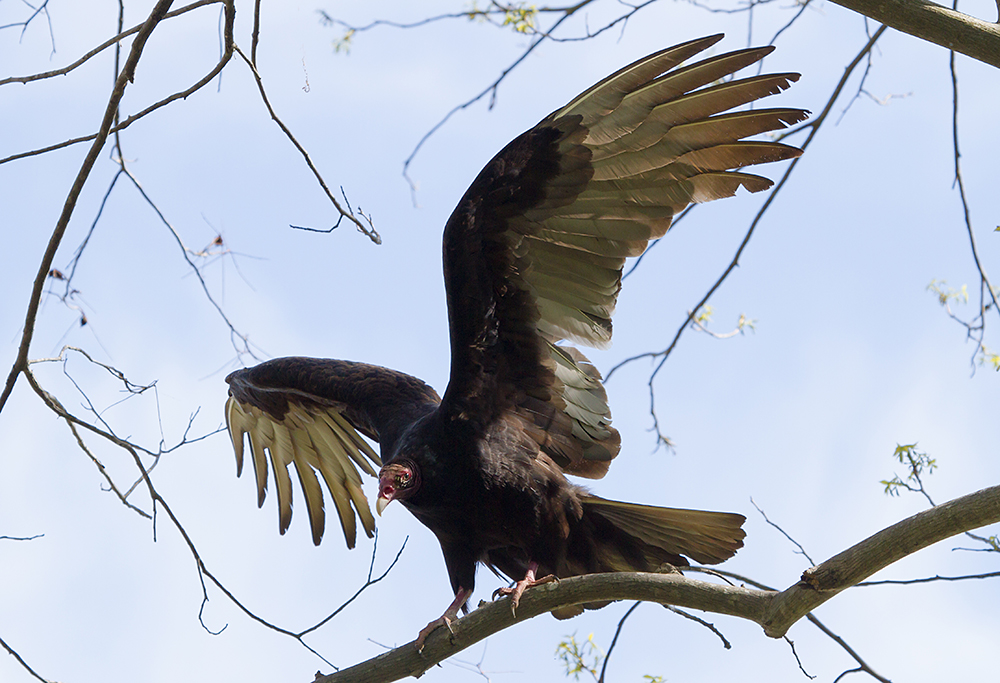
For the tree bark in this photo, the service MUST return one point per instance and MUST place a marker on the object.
(775, 612)
(934, 23)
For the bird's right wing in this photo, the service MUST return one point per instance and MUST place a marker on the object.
(534, 251)
(308, 411)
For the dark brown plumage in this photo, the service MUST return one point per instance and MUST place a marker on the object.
(533, 257)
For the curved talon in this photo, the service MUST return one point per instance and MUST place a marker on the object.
(445, 619)
(517, 590)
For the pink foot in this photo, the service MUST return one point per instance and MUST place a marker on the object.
(518, 588)
(445, 619)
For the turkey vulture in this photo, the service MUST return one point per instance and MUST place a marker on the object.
(533, 258)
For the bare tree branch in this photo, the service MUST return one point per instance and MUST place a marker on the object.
(491, 88)
(985, 288)
(20, 660)
(929, 579)
(158, 501)
(124, 78)
(116, 40)
(230, 14)
(776, 612)
(698, 620)
(863, 666)
(934, 23)
(801, 550)
(367, 230)
(36, 12)
(187, 253)
(798, 661)
(614, 640)
(822, 582)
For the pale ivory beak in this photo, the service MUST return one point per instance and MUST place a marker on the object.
(380, 504)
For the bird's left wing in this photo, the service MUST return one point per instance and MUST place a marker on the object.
(308, 412)
(534, 251)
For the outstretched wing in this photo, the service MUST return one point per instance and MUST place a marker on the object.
(308, 412)
(534, 251)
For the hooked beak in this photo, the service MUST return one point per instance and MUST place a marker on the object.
(385, 495)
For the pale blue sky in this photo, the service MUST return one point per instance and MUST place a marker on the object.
(850, 355)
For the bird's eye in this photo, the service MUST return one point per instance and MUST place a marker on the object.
(402, 479)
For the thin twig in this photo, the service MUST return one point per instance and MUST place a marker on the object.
(78, 254)
(234, 333)
(710, 626)
(814, 127)
(42, 8)
(862, 664)
(614, 641)
(985, 288)
(21, 362)
(103, 46)
(158, 500)
(367, 230)
(801, 550)
(929, 579)
(180, 95)
(370, 582)
(492, 88)
(20, 660)
(798, 661)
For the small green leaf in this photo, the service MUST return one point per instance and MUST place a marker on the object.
(918, 463)
(343, 44)
(987, 357)
(578, 658)
(944, 293)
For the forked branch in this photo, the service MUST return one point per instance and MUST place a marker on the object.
(776, 612)
(110, 113)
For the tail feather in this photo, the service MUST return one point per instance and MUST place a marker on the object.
(705, 537)
(612, 536)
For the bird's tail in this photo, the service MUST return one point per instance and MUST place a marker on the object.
(627, 537)
(705, 537)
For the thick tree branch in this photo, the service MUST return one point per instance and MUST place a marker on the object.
(862, 664)
(822, 582)
(776, 612)
(671, 588)
(936, 24)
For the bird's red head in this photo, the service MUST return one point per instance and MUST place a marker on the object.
(396, 481)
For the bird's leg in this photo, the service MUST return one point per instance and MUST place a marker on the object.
(445, 619)
(518, 588)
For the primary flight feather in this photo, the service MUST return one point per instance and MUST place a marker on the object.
(533, 258)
